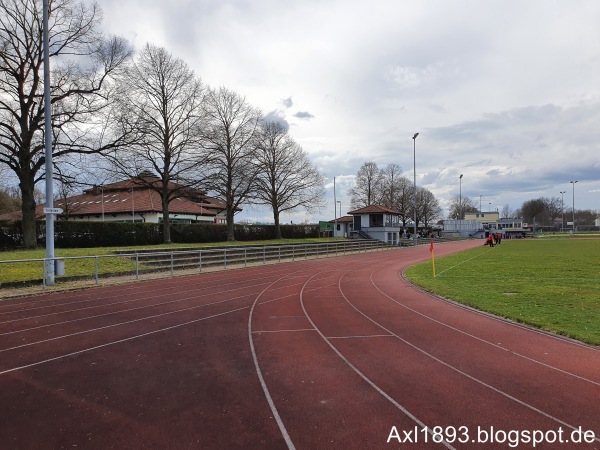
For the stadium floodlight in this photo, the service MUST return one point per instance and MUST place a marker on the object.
(573, 183)
(415, 186)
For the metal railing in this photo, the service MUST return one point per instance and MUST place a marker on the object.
(146, 264)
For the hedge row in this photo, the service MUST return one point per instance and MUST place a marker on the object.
(70, 234)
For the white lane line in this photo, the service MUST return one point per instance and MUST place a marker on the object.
(512, 323)
(363, 376)
(281, 331)
(458, 330)
(360, 337)
(457, 370)
(108, 344)
(263, 384)
(140, 319)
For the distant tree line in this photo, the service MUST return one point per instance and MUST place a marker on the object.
(117, 115)
(387, 187)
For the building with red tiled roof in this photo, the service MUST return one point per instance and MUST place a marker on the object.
(377, 222)
(133, 200)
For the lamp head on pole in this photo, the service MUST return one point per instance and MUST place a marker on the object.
(415, 136)
(461, 175)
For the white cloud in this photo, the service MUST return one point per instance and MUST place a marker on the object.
(503, 91)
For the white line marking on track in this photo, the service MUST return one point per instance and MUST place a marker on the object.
(363, 376)
(483, 383)
(281, 331)
(108, 344)
(263, 384)
(485, 341)
(140, 319)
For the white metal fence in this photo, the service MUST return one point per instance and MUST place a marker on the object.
(152, 264)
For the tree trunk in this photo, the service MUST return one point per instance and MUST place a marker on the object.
(230, 229)
(166, 221)
(28, 211)
(277, 226)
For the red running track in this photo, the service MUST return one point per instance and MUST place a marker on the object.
(336, 353)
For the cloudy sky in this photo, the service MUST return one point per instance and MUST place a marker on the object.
(505, 92)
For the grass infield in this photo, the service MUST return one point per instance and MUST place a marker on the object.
(552, 284)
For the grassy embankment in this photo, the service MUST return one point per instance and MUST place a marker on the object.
(552, 284)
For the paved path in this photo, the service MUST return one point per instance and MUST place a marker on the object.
(336, 353)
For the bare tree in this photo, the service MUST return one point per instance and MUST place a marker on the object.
(367, 186)
(287, 180)
(457, 210)
(428, 207)
(403, 199)
(161, 103)
(542, 211)
(391, 185)
(230, 136)
(83, 63)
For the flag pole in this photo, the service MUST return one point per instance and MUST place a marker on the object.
(432, 257)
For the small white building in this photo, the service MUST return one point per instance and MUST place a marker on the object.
(343, 226)
(377, 222)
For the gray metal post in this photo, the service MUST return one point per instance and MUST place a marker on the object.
(49, 272)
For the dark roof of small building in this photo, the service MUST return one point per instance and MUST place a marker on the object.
(372, 209)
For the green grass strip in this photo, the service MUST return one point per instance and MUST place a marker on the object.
(553, 284)
(31, 271)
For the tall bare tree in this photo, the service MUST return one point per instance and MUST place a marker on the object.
(428, 207)
(457, 210)
(287, 180)
(82, 61)
(367, 188)
(161, 104)
(230, 136)
(390, 185)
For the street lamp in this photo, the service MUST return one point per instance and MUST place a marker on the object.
(489, 206)
(573, 183)
(480, 203)
(415, 185)
(460, 203)
(562, 210)
(340, 202)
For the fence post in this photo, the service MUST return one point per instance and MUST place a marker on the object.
(96, 264)
(225, 258)
(245, 257)
(200, 259)
(44, 273)
(171, 263)
(137, 267)
(264, 255)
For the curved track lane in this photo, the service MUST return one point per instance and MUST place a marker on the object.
(330, 353)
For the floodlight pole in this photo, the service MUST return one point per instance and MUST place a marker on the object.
(49, 270)
(415, 185)
(562, 210)
(334, 210)
(460, 203)
(573, 183)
